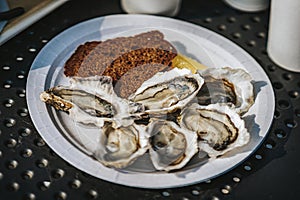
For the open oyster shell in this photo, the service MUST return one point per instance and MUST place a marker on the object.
(227, 86)
(219, 127)
(168, 91)
(171, 147)
(92, 100)
(120, 147)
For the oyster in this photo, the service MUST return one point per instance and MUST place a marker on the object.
(120, 147)
(219, 127)
(92, 100)
(171, 147)
(227, 86)
(168, 91)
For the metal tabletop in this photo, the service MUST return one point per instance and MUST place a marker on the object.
(29, 169)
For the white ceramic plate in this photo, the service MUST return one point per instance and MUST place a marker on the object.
(206, 46)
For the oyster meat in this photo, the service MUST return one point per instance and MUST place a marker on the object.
(168, 91)
(92, 100)
(219, 127)
(120, 147)
(227, 86)
(171, 147)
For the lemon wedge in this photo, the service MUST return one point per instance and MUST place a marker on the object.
(181, 61)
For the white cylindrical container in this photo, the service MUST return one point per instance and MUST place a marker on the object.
(249, 5)
(159, 7)
(283, 44)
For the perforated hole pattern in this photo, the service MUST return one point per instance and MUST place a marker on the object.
(29, 169)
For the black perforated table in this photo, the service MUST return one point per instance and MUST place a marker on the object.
(29, 169)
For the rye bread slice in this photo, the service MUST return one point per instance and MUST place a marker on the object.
(118, 56)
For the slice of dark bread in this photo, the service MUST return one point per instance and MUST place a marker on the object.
(116, 57)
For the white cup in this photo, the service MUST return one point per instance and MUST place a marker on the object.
(249, 5)
(283, 44)
(159, 7)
